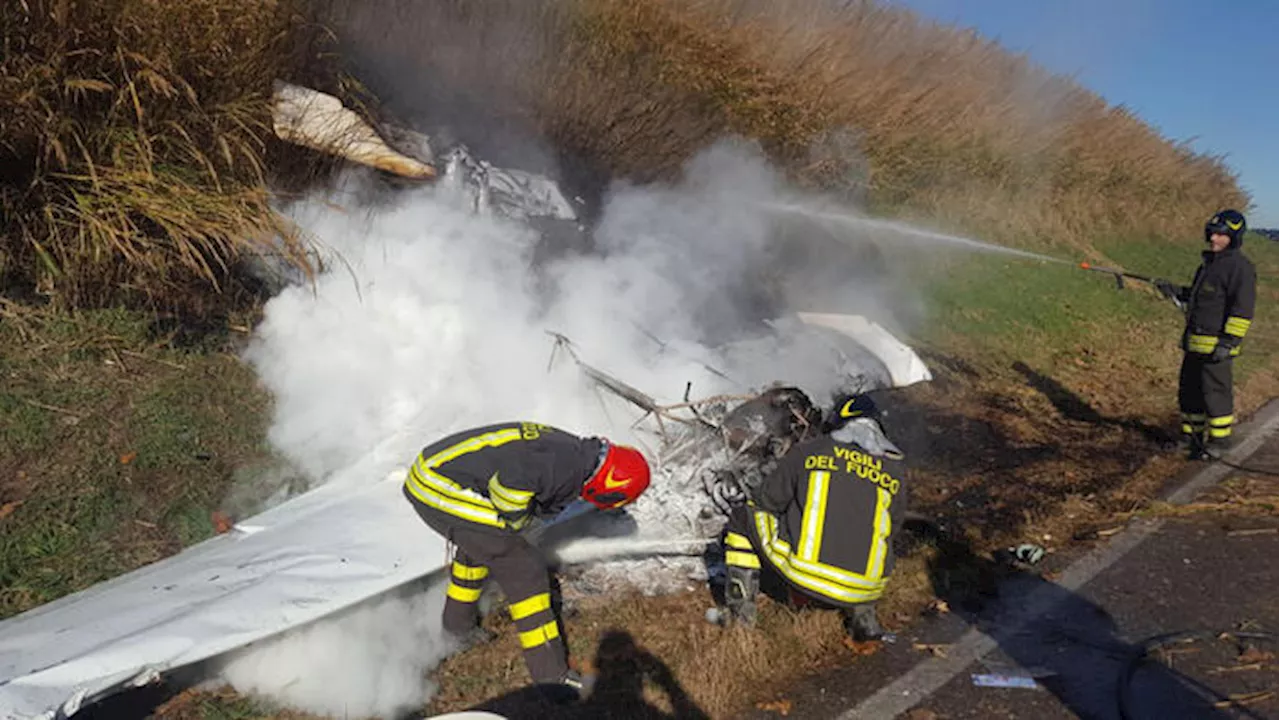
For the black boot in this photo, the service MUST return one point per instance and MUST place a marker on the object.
(861, 624)
(1218, 446)
(740, 590)
(1196, 447)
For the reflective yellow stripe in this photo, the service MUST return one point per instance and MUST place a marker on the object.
(826, 580)
(479, 442)
(432, 498)
(510, 494)
(1202, 343)
(1220, 432)
(453, 452)
(442, 485)
(539, 636)
(737, 558)
(507, 507)
(469, 572)
(530, 605)
(440, 492)
(814, 513)
(828, 589)
(818, 569)
(1187, 429)
(734, 540)
(1237, 326)
(1223, 421)
(506, 499)
(880, 534)
(462, 594)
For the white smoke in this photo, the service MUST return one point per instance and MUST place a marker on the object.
(430, 319)
(433, 319)
(369, 661)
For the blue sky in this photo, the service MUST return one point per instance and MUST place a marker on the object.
(1200, 70)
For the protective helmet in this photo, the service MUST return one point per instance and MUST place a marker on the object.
(846, 419)
(1229, 223)
(847, 407)
(620, 478)
(853, 406)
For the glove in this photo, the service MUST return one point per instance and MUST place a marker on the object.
(1167, 289)
(527, 526)
(1220, 352)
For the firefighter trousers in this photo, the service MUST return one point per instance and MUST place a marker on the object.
(522, 574)
(1205, 398)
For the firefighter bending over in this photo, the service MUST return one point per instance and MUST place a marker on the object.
(1219, 308)
(824, 521)
(480, 488)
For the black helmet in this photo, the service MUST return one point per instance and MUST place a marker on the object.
(853, 406)
(848, 407)
(1229, 223)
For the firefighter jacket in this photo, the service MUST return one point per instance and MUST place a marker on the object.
(1219, 302)
(825, 518)
(501, 475)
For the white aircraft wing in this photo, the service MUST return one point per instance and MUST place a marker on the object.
(299, 561)
(902, 363)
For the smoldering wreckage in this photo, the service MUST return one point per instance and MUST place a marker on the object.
(284, 569)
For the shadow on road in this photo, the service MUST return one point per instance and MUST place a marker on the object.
(1068, 643)
(623, 670)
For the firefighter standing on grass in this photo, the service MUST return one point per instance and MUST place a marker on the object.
(481, 487)
(824, 521)
(1219, 309)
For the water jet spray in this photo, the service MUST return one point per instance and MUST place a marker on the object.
(918, 234)
(597, 549)
(847, 218)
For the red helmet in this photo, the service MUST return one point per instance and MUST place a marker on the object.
(622, 476)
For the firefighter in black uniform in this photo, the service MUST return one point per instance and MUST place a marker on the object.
(824, 520)
(1219, 309)
(480, 488)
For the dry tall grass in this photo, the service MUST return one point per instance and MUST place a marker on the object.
(949, 126)
(857, 98)
(135, 140)
(135, 144)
